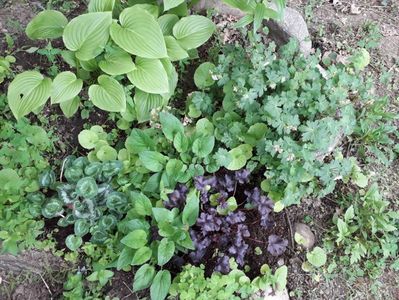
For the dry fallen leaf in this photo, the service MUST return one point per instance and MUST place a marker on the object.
(355, 10)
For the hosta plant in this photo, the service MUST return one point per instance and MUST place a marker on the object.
(112, 43)
(87, 200)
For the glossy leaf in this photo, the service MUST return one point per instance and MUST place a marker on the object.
(108, 94)
(166, 249)
(73, 242)
(143, 277)
(160, 286)
(175, 51)
(117, 62)
(167, 22)
(48, 24)
(141, 256)
(135, 239)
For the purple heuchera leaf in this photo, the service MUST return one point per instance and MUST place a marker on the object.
(242, 176)
(263, 204)
(227, 183)
(223, 265)
(177, 198)
(277, 245)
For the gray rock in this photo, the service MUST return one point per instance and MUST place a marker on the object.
(292, 26)
(307, 234)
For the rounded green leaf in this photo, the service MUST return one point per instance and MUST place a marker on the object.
(106, 153)
(169, 4)
(145, 103)
(167, 22)
(87, 139)
(65, 87)
(27, 92)
(141, 256)
(87, 188)
(150, 76)
(73, 242)
(88, 34)
(175, 51)
(81, 227)
(239, 155)
(101, 5)
(139, 33)
(135, 239)
(117, 62)
(143, 277)
(108, 94)
(70, 107)
(203, 76)
(166, 249)
(48, 24)
(317, 257)
(193, 31)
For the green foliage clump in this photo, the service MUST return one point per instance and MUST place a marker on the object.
(367, 234)
(279, 113)
(191, 283)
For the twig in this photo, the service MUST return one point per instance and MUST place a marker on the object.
(290, 227)
(45, 283)
(131, 291)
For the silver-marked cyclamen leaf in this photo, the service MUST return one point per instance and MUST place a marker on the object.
(88, 34)
(139, 33)
(48, 24)
(65, 87)
(108, 94)
(27, 92)
(150, 76)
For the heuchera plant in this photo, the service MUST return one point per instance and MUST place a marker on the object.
(110, 43)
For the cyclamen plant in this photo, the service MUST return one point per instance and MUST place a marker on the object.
(140, 44)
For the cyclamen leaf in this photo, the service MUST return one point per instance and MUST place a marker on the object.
(166, 22)
(48, 24)
(117, 62)
(160, 286)
(73, 242)
(65, 87)
(145, 103)
(193, 31)
(108, 94)
(101, 5)
(88, 34)
(139, 33)
(166, 249)
(149, 76)
(143, 277)
(169, 4)
(27, 92)
(87, 188)
(70, 107)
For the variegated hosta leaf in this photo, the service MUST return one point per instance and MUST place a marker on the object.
(101, 5)
(150, 76)
(88, 34)
(70, 107)
(48, 24)
(167, 22)
(175, 51)
(193, 31)
(65, 87)
(108, 94)
(27, 92)
(117, 62)
(139, 34)
(144, 103)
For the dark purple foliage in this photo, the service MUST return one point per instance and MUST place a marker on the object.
(277, 245)
(263, 204)
(223, 265)
(177, 198)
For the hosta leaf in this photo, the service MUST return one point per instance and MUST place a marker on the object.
(167, 22)
(139, 33)
(108, 94)
(172, 77)
(150, 76)
(168, 4)
(89, 65)
(193, 31)
(152, 9)
(65, 87)
(144, 103)
(27, 92)
(70, 107)
(88, 34)
(175, 51)
(101, 5)
(247, 6)
(48, 24)
(117, 62)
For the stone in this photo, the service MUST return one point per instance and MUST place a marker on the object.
(307, 234)
(270, 294)
(292, 26)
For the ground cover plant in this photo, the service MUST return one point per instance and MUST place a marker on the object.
(191, 154)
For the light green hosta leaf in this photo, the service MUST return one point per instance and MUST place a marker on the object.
(247, 6)
(175, 51)
(48, 24)
(172, 77)
(89, 65)
(108, 94)
(139, 33)
(150, 76)
(69, 57)
(70, 107)
(193, 31)
(27, 92)
(88, 34)
(153, 10)
(65, 87)
(144, 103)
(101, 5)
(117, 62)
(168, 4)
(167, 22)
